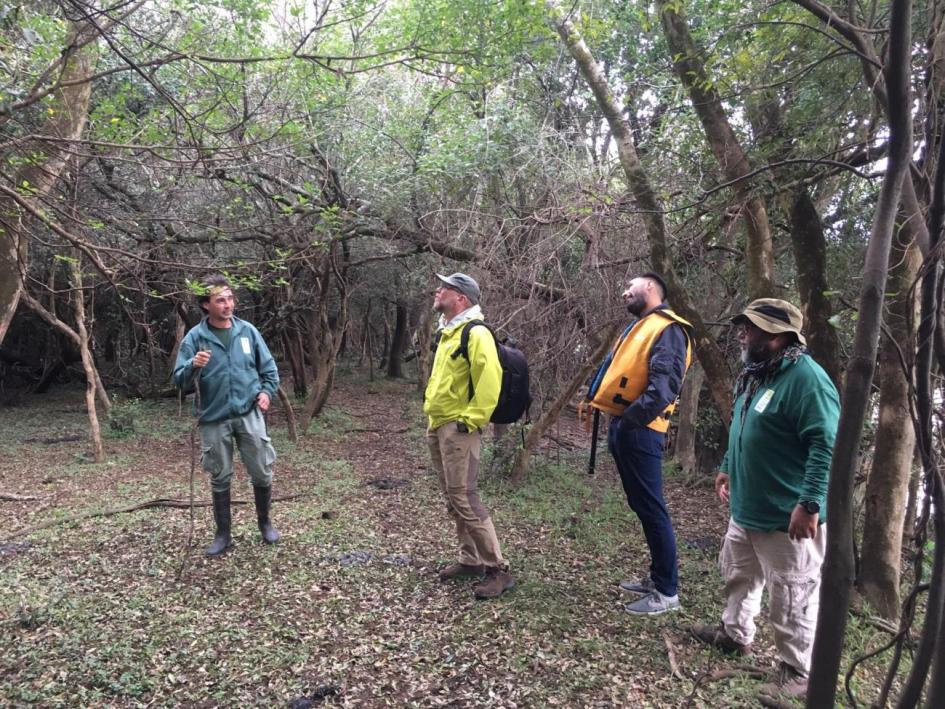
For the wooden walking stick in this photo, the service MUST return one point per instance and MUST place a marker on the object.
(193, 470)
(595, 429)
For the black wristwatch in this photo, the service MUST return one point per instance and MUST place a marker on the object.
(811, 507)
(462, 427)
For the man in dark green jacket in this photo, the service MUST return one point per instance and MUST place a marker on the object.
(774, 479)
(238, 379)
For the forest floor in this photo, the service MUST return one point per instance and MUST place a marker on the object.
(120, 610)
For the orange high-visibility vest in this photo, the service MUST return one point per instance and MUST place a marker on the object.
(623, 376)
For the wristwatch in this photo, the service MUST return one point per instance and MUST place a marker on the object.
(462, 427)
(810, 506)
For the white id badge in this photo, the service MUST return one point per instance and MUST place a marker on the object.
(764, 400)
(245, 342)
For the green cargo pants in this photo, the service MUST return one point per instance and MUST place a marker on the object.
(255, 446)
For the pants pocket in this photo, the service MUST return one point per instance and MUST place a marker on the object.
(269, 452)
(210, 460)
(794, 594)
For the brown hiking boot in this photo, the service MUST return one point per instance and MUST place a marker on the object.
(716, 636)
(495, 584)
(788, 683)
(461, 571)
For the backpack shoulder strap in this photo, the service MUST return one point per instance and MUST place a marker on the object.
(463, 348)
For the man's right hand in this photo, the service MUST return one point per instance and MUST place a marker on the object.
(201, 359)
(721, 487)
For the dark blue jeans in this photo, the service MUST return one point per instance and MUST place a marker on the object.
(638, 453)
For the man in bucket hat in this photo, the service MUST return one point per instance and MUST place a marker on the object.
(774, 479)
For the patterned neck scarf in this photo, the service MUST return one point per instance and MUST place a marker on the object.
(756, 374)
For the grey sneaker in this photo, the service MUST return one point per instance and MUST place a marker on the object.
(654, 603)
(644, 585)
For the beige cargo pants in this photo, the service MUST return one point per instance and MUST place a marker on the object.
(455, 457)
(751, 560)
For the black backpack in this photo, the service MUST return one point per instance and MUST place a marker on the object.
(514, 397)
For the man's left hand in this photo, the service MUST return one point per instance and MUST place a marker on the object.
(263, 401)
(803, 524)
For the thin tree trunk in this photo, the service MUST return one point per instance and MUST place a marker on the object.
(74, 339)
(915, 479)
(691, 70)
(324, 343)
(810, 258)
(838, 571)
(424, 342)
(91, 376)
(180, 329)
(385, 346)
(395, 359)
(289, 414)
(645, 199)
(292, 341)
(931, 647)
(685, 453)
(369, 345)
(66, 119)
(548, 418)
(887, 489)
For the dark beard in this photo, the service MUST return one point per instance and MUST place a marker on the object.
(635, 308)
(756, 355)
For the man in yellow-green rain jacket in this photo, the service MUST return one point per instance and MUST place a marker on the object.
(460, 397)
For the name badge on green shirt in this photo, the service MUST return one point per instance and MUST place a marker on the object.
(245, 342)
(764, 400)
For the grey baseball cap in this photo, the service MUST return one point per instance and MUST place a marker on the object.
(464, 284)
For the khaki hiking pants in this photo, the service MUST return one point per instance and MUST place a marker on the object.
(750, 560)
(455, 457)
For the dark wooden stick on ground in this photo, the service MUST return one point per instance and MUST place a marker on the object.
(147, 504)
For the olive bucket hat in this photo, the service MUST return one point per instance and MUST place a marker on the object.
(773, 315)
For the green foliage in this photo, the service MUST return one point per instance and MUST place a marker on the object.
(124, 418)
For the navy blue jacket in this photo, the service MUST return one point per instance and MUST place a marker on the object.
(667, 366)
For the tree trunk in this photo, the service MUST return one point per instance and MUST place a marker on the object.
(685, 454)
(548, 418)
(67, 116)
(324, 343)
(180, 329)
(395, 359)
(690, 68)
(289, 414)
(930, 651)
(810, 259)
(74, 339)
(887, 489)
(645, 199)
(385, 346)
(292, 342)
(838, 571)
(91, 375)
(424, 342)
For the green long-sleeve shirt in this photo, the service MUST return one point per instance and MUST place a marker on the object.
(779, 451)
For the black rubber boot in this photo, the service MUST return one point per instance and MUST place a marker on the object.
(263, 502)
(221, 515)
